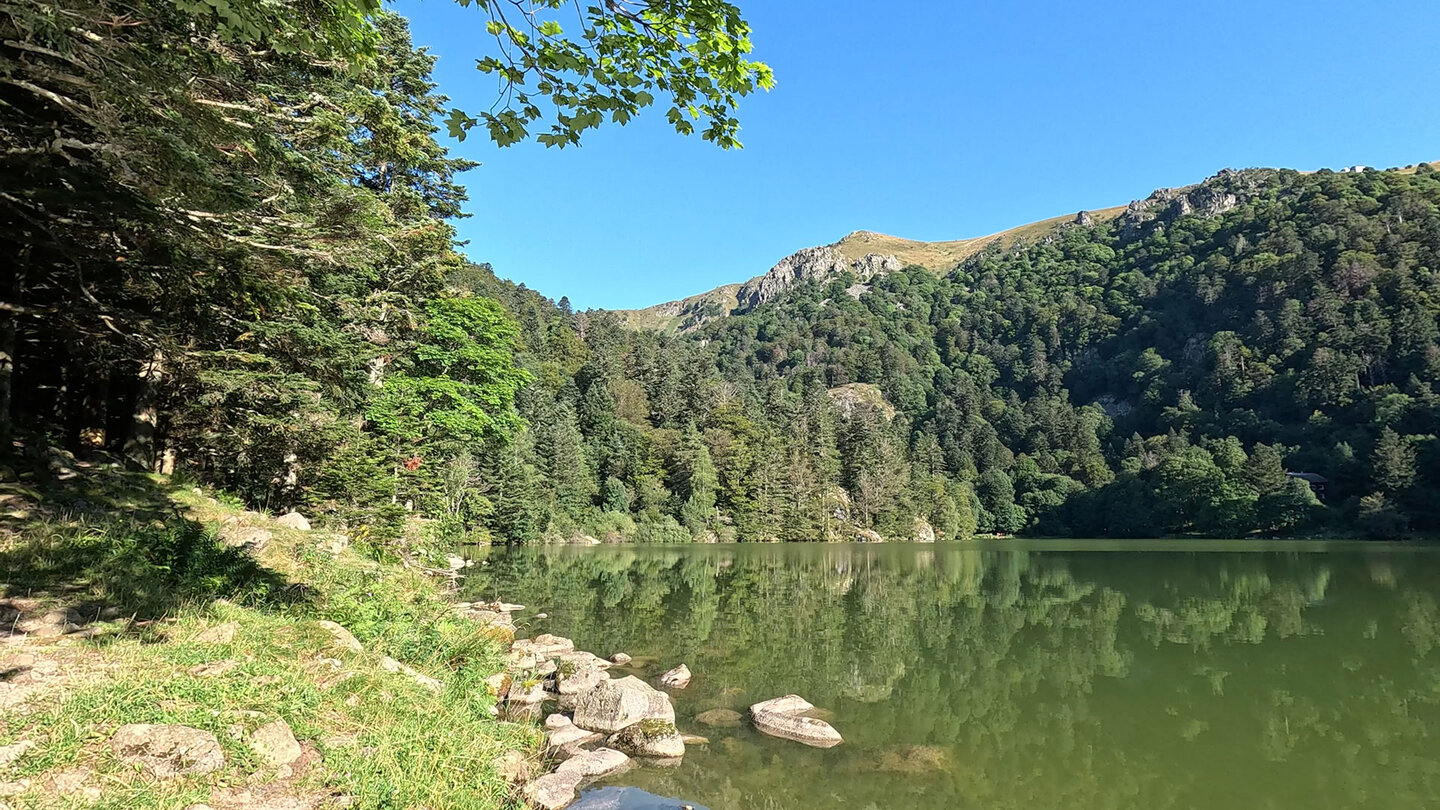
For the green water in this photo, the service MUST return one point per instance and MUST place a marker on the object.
(1034, 675)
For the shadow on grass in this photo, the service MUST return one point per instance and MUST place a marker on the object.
(110, 545)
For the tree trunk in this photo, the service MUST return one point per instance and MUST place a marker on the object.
(9, 341)
(140, 445)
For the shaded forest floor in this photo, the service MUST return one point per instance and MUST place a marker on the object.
(129, 599)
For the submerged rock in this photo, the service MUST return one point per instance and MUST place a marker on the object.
(614, 705)
(784, 717)
(719, 718)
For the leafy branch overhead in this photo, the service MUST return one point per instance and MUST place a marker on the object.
(615, 60)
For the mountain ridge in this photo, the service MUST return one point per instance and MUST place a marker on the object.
(868, 253)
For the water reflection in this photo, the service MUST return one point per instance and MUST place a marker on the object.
(966, 676)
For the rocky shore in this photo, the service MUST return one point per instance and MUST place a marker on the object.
(598, 722)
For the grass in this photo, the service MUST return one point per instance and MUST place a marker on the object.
(379, 739)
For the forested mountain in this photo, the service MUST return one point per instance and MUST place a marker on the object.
(234, 261)
(1157, 373)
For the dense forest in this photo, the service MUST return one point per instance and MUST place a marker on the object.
(235, 262)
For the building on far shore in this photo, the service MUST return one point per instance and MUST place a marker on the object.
(1316, 481)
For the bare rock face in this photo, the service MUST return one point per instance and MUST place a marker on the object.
(811, 264)
(553, 791)
(275, 744)
(293, 520)
(168, 751)
(924, 532)
(1212, 198)
(595, 764)
(677, 678)
(784, 717)
(614, 705)
(650, 738)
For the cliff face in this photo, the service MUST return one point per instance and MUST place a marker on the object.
(811, 264)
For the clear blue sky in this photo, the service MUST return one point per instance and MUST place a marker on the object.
(941, 120)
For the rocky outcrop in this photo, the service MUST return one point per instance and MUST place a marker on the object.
(786, 717)
(657, 739)
(677, 678)
(343, 638)
(811, 264)
(616, 705)
(1212, 198)
(923, 532)
(168, 751)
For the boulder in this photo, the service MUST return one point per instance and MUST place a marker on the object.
(924, 532)
(595, 764)
(553, 791)
(620, 658)
(167, 751)
(650, 738)
(566, 742)
(251, 538)
(545, 645)
(10, 753)
(719, 718)
(293, 520)
(677, 678)
(391, 665)
(694, 739)
(532, 692)
(613, 705)
(275, 744)
(784, 717)
(343, 637)
(498, 684)
(219, 634)
(557, 721)
(512, 767)
(569, 688)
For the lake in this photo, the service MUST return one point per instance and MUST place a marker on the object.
(1020, 674)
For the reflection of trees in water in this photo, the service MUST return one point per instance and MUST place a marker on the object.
(968, 677)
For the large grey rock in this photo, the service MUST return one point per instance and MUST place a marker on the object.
(553, 791)
(513, 767)
(595, 764)
(677, 678)
(391, 665)
(167, 751)
(784, 717)
(293, 520)
(650, 738)
(275, 744)
(543, 646)
(614, 705)
(569, 688)
(563, 743)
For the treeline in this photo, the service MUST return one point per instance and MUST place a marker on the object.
(1158, 375)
